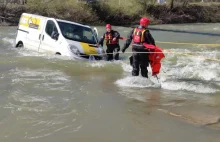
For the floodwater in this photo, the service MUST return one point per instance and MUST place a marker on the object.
(52, 98)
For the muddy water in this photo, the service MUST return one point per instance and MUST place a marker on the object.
(51, 98)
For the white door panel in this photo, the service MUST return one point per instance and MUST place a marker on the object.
(48, 44)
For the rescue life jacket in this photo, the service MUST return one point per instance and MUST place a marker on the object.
(155, 58)
(109, 38)
(138, 35)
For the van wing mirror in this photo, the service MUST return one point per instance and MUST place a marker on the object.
(96, 31)
(55, 35)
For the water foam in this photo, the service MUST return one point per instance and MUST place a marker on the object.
(24, 52)
(137, 82)
(190, 70)
(198, 87)
(126, 67)
(19, 96)
(44, 79)
(102, 64)
(216, 28)
(11, 41)
(99, 64)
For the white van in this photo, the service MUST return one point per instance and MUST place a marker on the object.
(55, 36)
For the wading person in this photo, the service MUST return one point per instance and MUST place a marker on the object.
(139, 59)
(111, 38)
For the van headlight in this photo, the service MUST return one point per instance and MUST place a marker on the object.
(74, 49)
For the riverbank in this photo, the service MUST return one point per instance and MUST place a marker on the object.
(101, 13)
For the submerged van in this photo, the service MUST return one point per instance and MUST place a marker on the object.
(55, 36)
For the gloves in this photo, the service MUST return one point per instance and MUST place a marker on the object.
(123, 50)
(117, 49)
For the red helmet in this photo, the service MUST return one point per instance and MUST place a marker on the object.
(108, 26)
(144, 21)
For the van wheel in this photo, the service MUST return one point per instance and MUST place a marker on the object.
(19, 45)
(57, 53)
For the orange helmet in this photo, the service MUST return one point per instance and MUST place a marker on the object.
(144, 21)
(108, 26)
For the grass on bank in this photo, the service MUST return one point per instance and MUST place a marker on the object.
(118, 12)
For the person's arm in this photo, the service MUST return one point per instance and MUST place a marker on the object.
(149, 38)
(128, 41)
(101, 40)
(116, 35)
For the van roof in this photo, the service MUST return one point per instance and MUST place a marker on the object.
(34, 15)
(59, 20)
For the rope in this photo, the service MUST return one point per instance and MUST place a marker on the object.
(202, 57)
(169, 51)
(179, 43)
(181, 31)
(183, 43)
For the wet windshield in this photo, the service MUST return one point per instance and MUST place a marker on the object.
(77, 33)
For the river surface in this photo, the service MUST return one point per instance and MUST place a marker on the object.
(50, 98)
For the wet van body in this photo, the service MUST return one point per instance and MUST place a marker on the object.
(57, 36)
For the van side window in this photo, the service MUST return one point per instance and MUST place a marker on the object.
(50, 27)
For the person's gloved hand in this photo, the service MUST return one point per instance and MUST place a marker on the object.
(116, 49)
(123, 50)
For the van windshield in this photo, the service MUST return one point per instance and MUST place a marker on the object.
(77, 33)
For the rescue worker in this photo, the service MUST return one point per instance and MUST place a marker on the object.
(112, 42)
(139, 35)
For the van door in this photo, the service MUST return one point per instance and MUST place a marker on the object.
(50, 37)
(33, 25)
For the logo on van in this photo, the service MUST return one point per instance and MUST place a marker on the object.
(33, 23)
